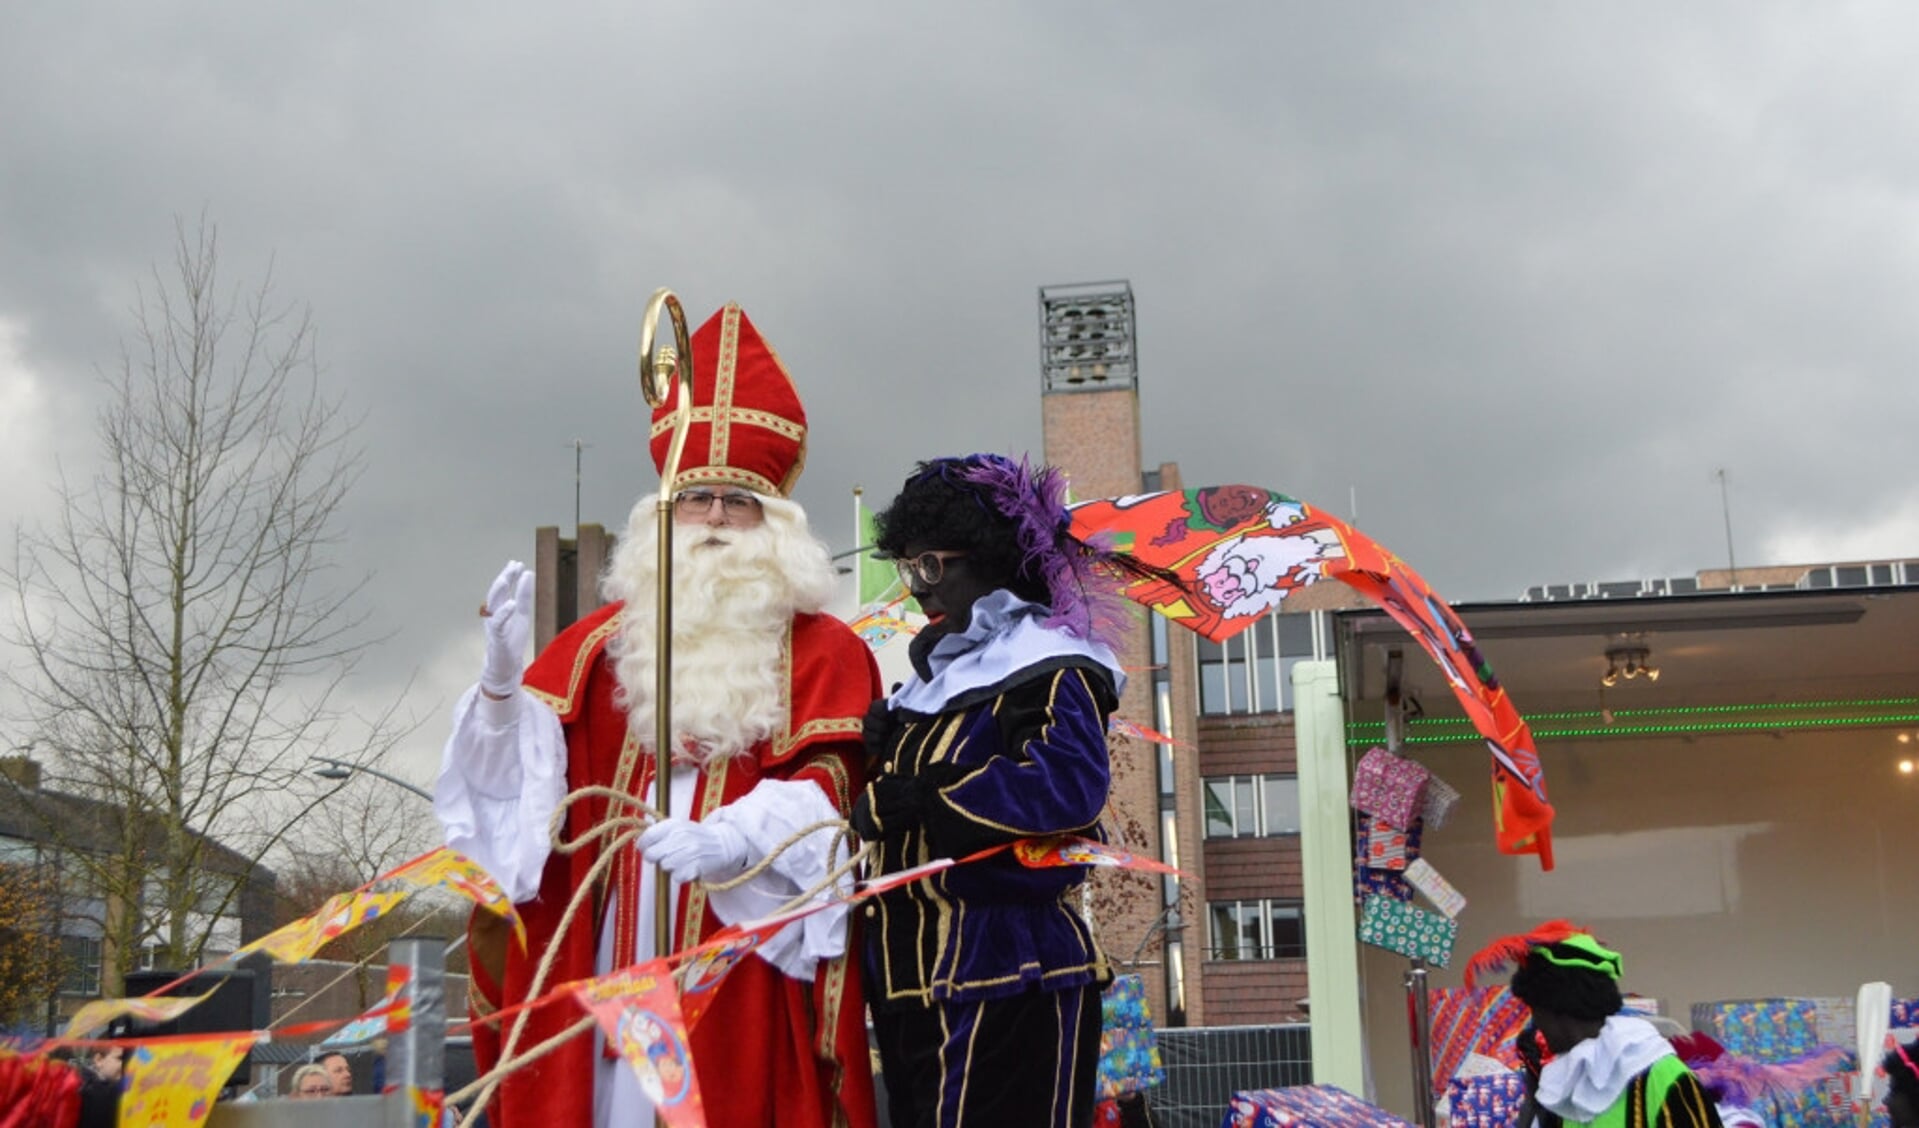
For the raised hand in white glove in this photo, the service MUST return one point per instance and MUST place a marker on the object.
(508, 618)
(693, 851)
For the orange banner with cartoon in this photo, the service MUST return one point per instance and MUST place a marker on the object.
(1223, 557)
(173, 1082)
(639, 1012)
(447, 868)
(342, 913)
(97, 1014)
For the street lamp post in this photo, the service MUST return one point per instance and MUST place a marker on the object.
(341, 770)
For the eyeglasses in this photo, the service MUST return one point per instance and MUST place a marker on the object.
(699, 503)
(928, 568)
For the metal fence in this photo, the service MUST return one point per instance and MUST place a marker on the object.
(1206, 1065)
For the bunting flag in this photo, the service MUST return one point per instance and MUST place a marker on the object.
(1072, 850)
(639, 1012)
(902, 877)
(174, 1082)
(1140, 732)
(390, 1010)
(701, 969)
(94, 1016)
(447, 868)
(881, 623)
(1225, 556)
(342, 913)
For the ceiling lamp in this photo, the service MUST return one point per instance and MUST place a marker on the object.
(1628, 658)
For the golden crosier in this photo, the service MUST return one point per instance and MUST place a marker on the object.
(659, 366)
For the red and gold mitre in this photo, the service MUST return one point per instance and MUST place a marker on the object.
(748, 428)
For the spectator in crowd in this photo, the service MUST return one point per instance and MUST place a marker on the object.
(101, 1072)
(341, 1071)
(310, 1081)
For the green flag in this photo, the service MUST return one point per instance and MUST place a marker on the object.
(879, 580)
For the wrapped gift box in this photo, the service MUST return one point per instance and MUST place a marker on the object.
(1410, 931)
(1368, 882)
(1387, 847)
(1825, 1105)
(1306, 1106)
(1772, 1030)
(1388, 787)
(1486, 1101)
(1441, 798)
(1128, 1050)
(1835, 1021)
(1472, 1020)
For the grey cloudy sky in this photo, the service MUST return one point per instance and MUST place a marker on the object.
(1520, 276)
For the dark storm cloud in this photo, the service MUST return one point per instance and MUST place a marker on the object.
(1521, 278)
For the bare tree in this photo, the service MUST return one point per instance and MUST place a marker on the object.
(363, 830)
(187, 628)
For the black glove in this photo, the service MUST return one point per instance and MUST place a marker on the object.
(877, 731)
(891, 805)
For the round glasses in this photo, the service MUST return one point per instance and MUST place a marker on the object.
(699, 503)
(928, 568)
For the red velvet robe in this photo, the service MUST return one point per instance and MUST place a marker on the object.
(771, 1049)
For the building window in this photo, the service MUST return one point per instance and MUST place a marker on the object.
(1253, 671)
(18, 852)
(81, 955)
(1252, 806)
(1256, 930)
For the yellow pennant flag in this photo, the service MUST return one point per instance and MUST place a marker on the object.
(173, 1083)
(447, 868)
(96, 1014)
(342, 913)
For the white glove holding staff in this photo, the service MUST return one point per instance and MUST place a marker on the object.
(508, 617)
(693, 851)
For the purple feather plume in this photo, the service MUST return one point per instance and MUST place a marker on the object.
(1733, 1079)
(1083, 598)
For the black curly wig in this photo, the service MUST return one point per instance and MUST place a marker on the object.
(936, 509)
(1575, 992)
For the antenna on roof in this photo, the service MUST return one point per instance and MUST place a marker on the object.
(1725, 509)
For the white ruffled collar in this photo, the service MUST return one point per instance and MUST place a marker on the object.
(1004, 636)
(1587, 1079)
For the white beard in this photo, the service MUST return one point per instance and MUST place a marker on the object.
(733, 603)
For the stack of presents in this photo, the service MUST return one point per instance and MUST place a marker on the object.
(1407, 907)
(1396, 802)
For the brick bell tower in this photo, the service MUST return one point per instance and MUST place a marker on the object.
(1089, 403)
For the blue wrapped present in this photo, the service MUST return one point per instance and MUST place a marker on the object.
(1772, 1030)
(1306, 1106)
(1128, 1049)
(1490, 1100)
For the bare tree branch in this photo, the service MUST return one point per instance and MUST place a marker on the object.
(187, 626)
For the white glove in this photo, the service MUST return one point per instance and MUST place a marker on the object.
(693, 851)
(509, 623)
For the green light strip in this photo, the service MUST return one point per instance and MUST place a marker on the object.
(1800, 724)
(1669, 711)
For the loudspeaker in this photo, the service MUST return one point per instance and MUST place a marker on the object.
(233, 1006)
